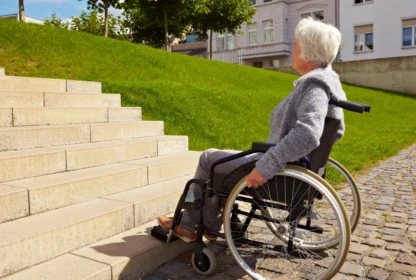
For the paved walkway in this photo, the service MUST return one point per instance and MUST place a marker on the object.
(383, 245)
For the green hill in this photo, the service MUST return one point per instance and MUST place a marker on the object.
(217, 104)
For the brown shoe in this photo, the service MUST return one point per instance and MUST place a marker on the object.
(166, 224)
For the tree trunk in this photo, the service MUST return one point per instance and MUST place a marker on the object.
(105, 18)
(21, 10)
(210, 44)
(166, 30)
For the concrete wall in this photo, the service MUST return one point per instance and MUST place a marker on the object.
(396, 74)
(386, 16)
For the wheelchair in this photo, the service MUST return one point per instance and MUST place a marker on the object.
(295, 226)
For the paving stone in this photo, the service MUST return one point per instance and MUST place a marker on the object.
(396, 220)
(340, 276)
(396, 226)
(391, 231)
(358, 248)
(398, 276)
(412, 228)
(383, 207)
(235, 271)
(378, 274)
(397, 247)
(380, 254)
(384, 202)
(353, 269)
(400, 215)
(412, 222)
(394, 239)
(406, 259)
(174, 268)
(374, 222)
(354, 257)
(402, 268)
(374, 242)
(374, 262)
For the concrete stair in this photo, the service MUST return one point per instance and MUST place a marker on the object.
(81, 181)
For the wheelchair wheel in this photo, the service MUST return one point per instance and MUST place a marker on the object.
(209, 258)
(282, 208)
(349, 194)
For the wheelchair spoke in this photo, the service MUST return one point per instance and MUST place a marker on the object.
(291, 229)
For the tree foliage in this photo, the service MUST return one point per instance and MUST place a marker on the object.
(91, 23)
(102, 7)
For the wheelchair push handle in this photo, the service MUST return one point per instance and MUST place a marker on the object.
(351, 106)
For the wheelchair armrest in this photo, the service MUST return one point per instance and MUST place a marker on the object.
(260, 147)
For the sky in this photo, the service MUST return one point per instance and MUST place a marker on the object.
(42, 9)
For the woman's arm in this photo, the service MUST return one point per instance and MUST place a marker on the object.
(304, 137)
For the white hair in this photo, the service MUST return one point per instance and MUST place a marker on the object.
(319, 42)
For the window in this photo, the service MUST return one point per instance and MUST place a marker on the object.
(267, 1)
(192, 38)
(258, 64)
(220, 42)
(268, 31)
(253, 1)
(315, 15)
(230, 41)
(409, 32)
(364, 38)
(252, 33)
(362, 1)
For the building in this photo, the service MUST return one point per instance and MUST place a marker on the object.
(27, 19)
(191, 46)
(377, 29)
(269, 40)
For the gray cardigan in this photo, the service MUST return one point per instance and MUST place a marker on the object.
(297, 123)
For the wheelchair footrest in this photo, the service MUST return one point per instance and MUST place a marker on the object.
(161, 234)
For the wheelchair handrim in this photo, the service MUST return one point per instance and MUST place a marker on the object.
(336, 204)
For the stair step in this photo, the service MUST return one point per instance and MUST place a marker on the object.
(119, 131)
(15, 165)
(65, 267)
(153, 200)
(163, 168)
(96, 154)
(73, 100)
(129, 256)
(134, 253)
(59, 190)
(13, 203)
(16, 138)
(48, 85)
(56, 116)
(35, 239)
(14, 99)
(6, 117)
(32, 84)
(125, 114)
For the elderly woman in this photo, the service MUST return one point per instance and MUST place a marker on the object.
(296, 123)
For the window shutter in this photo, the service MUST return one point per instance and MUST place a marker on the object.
(409, 22)
(363, 29)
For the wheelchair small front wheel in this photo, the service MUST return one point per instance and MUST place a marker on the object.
(210, 261)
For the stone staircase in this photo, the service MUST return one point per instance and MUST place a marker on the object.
(81, 182)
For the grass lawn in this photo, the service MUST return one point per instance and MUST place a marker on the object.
(217, 104)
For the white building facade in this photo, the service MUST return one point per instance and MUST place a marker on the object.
(27, 19)
(374, 29)
(269, 40)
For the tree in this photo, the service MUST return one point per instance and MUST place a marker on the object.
(21, 10)
(102, 6)
(154, 20)
(221, 16)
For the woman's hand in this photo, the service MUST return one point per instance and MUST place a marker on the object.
(255, 179)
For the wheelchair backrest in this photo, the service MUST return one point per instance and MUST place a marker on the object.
(319, 156)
